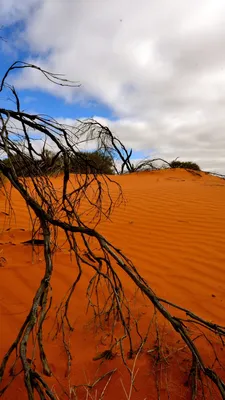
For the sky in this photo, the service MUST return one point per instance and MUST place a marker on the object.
(153, 71)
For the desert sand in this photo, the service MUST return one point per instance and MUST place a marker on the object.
(172, 226)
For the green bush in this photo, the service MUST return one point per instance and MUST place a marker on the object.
(185, 165)
(92, 162)
(96, 162)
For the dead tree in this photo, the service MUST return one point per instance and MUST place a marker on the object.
(56, 211)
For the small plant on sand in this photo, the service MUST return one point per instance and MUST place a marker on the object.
(55, 211)
(185, 165)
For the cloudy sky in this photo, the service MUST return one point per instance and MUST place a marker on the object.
(154, 71)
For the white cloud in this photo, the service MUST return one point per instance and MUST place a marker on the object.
(159, 65)
(13, 11)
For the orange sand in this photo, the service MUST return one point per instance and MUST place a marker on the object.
(172, 227)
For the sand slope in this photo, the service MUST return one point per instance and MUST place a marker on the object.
(172, 226)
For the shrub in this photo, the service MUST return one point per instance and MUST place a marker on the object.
(82, 162)
(185, 165)
(92, 162)
(22, 165)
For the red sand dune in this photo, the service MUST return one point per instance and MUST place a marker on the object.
(172, 226)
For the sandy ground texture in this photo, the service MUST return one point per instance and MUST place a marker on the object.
(172, 226)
